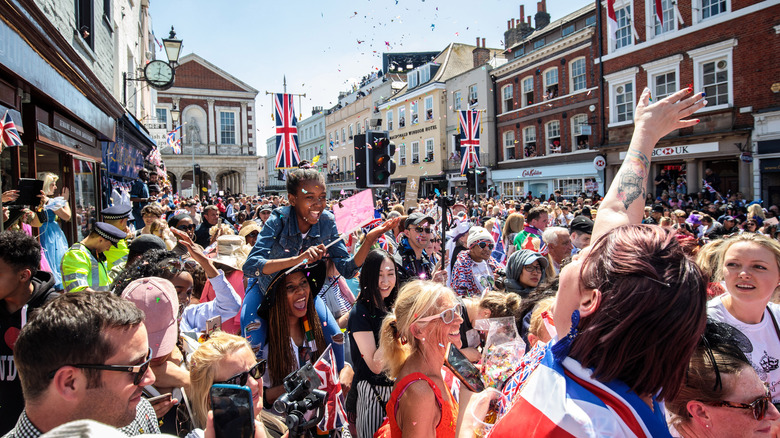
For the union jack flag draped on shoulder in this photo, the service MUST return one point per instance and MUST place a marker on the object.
(286, 132)
(469, 140)
(335, 416)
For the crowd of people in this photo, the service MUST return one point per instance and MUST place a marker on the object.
(628, 315)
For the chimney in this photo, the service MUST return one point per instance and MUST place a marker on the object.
(508, 24)
(480, 54)
(542, 17)
(544, 5)
(522, 12)
(529, 21)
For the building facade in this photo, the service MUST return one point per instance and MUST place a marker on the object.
(311, 139)
(719, 47)
(547, 99)
(217, 129)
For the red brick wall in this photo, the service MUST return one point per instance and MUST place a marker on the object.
(195, 75)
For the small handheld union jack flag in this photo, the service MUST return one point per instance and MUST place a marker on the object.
(335, 415)
(9, 136)
(286, 132)
(469, 139)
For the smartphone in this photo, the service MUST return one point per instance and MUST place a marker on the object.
(234, 415)
(464, 370)
(29, 189)
(213, 324)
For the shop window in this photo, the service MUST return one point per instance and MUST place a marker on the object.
(507, 97)
(554, 137)
(413, 112)
(429, 108)
(415, 152)
(529, 141)
(85, 193)
(551, 83)
(509, 145)
(570, 188)
(227, 126)
(528, 91)
(456, 101)
(402, 154)
(389, 117)
(428, 150)
(402, 117)
(578, 79)
(580, 132)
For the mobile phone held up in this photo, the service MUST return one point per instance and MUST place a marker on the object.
(464, 370)
(233, 409)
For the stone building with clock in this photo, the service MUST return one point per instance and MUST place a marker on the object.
(218, 130)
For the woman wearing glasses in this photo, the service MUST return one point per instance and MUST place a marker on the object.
(722, 395)
(415, 340)
(524, 271)
(473, 271)
(224, 358)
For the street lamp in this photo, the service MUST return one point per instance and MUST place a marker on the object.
(175, 113)
(172, 47)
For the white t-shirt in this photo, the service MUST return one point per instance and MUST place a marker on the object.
(482, 275)
(761, 344)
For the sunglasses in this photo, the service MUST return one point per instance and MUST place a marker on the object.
(185, 227)
(137, 371)
(240, 379)
(759, 406)
(423, 230)
(485, 244)
(446, 316)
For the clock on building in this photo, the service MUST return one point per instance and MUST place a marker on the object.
(159, 74)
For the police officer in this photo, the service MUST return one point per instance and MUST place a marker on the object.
(84, 266)
(117, 216)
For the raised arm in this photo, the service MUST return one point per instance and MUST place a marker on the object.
(625, 200)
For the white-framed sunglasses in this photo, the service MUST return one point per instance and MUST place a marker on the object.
(447, 316)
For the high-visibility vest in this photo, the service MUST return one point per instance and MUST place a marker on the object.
(117, 255)
(80, 270)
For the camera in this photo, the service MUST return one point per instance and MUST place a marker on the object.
(301, 396)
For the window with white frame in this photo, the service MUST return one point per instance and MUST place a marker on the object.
(425, 73)
(713, 73)
(711, 8)
(358, 128)
(623, 35)
(350, 132)
(415, 152)
(428, 150)
(402, 154)
(512, 189)
(337, 137)
(507, 97)
(330, 138)
(551, 83)
(389, 120)
(227, 126)
(429, 108)
(509, 145)
(473, 96)
(162, 116)
(539, 43)
(568, 30)
(529, 141)
(413, 112)
(554, 137)
(664, 84)
(624, 102)
(402, 117)
(578, 79)
(580, 132)
(412, 79)
(343, 135)
(456, 101)
(528, 91)
(667, 12)
(570, 188)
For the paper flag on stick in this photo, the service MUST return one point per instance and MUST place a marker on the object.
(353, 212)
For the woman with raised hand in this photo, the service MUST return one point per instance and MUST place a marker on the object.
(628, 314)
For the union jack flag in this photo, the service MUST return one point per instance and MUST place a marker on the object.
(335, 416)
(9, 136)
(383, 243)
(173, 142)
(498, 252)
(286, 132)
(469, 139)
(708, 186)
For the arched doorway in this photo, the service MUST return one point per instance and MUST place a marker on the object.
(231, 182)
(203, 181)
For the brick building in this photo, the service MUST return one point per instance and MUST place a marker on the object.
(218, 127)
(723, 47)
(547, 97)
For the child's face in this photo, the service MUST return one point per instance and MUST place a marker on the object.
(309, 201)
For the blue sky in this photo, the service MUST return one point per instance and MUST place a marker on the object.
(323, 45)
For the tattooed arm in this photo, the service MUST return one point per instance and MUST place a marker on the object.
(625, 200)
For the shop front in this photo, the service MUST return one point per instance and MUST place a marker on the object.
(123, 158)
(571, 179)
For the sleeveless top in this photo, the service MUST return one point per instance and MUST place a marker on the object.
(449, 411)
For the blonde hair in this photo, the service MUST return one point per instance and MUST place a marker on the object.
(536, 317)
(158, 225)
(416, 299)
(755, 211)
(203, 367)
(49, 179)
(770, 244)
(502, 304)
(514, 224)
(709, 259)
(665, 221)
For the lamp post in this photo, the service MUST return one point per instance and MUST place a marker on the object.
(172, 48)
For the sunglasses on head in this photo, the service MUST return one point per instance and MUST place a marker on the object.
(485, 244)
(138, 371)
(240, 379)
(446, 316)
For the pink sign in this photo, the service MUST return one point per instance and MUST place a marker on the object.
(354, 212)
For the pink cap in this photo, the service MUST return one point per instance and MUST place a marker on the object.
(157, 298)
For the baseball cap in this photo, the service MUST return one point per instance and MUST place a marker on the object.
(146, 242)
(658, 209)
(157, 298)
(581, 224)
(417, 217)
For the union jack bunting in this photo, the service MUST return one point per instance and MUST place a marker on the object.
(286, 132)
(469, 140)
(335, 416)
(9, 136)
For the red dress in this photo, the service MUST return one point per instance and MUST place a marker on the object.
(449, 411)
